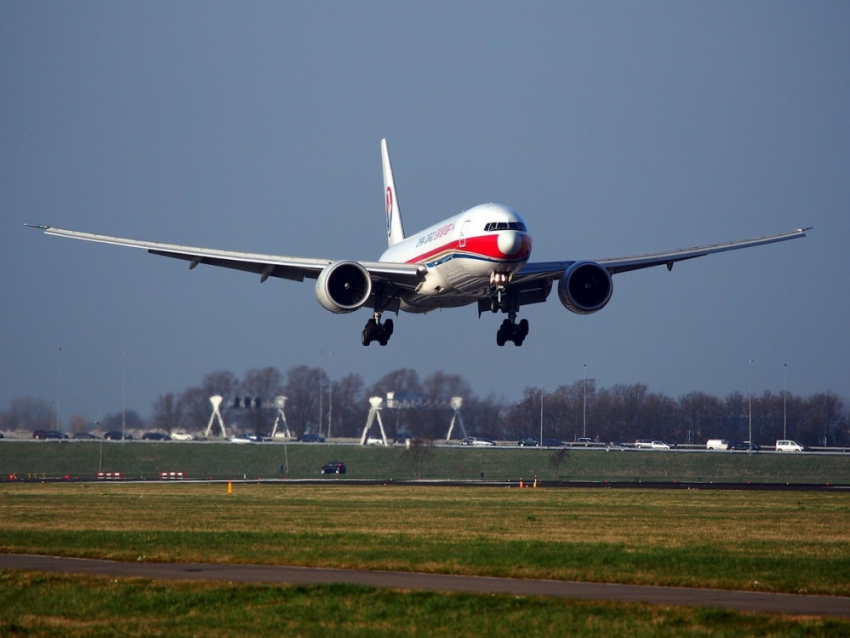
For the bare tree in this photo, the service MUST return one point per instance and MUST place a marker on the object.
(28, 414)
(349, 405)
(78, 424)
(261, 386)
(303, 385)
(167, 412)
(418, 453)
(702, 415)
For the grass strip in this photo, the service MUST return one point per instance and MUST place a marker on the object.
(46, 605)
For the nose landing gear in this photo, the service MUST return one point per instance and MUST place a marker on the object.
(377, 331)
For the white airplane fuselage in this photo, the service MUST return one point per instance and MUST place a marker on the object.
(461, 254)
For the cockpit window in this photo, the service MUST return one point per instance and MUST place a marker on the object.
(492, 226)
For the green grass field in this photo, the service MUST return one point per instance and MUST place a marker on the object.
(229, 461)
(758, 541)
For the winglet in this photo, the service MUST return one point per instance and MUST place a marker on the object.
(395, 231)
(39, 226)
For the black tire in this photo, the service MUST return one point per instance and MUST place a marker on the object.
(388, 328)
(523, 328)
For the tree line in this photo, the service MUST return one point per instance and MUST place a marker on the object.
(339, 408)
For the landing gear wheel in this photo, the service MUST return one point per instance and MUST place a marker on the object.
(522, 328)
(510, 331)
(374, 331)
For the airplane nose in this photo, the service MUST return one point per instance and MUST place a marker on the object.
(510, 242)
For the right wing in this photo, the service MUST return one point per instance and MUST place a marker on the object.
(552, 270)
(394, 276)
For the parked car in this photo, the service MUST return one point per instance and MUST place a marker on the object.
(789, 446)
(474, 440)
(334, 467)
(553, 443)
(53, 434)
(312, 438)
(615, 445)
(528, 441)
(717, 444)
(752, 446)
(402, 437)
(660, 445)
(181, 436)
(115, 435)
(643, 444)
(85, 436)
(155, 436)
(374, 440)
(583, 440)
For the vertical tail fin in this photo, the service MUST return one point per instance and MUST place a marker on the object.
(395, 231)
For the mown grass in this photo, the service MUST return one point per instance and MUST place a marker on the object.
(69, 606)
(227, 461)
(760, 541)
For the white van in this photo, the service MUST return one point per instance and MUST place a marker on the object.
(717, 444)
(789, 446)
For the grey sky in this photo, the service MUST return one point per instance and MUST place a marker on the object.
(614, 128)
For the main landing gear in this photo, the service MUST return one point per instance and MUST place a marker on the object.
(512, 331)
(507, 300)
(377, 331)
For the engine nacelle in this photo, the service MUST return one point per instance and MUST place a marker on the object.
(585, 287)
(343, 286)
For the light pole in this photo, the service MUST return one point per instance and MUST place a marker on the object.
(330, 404)
(785, 405)
(750, 446)
(59, 391)
(124, 398)
(584, 400)
(542, 390)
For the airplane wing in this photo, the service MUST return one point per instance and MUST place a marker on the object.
(402, 276)
(552, 270)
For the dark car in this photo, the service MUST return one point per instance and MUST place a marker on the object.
(553, 443)
(49, 434)
(528, 441)
(334, 467)
(84, 436)
(402, 437)
(155, 436)
(115, 435)
(312, 438)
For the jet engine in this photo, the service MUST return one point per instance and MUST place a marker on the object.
(343, 286)
(585, 287)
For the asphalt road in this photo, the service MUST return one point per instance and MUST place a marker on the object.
(792, 604)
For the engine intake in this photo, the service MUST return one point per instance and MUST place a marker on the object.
(585, 287)
(343, 286)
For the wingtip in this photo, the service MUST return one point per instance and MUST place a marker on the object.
(39, 226)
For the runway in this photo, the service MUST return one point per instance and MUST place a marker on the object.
(791, 604)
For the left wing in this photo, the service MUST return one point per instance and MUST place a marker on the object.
(551, 270)
(403, 276)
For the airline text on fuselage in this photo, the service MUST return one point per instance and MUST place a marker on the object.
(442, 231)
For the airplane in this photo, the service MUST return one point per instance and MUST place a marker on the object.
(480, 256)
